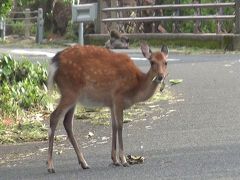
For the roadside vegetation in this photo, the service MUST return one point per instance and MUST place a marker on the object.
(23, 93)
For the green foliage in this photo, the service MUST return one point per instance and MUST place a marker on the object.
(18, 27)
(22, 90)
(21, 84)
(71, 31)
(28, 3)
(5, 7)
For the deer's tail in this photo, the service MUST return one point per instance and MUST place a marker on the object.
(53, 66)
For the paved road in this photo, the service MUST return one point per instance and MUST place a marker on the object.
(195, 136)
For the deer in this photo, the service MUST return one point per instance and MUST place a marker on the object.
(117, 41)
(98, 77)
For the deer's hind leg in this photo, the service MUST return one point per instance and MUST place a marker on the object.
(68, 124)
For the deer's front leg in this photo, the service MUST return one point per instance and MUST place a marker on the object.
(118, 111)
(68, 124)
(59, 113)
(114, 140)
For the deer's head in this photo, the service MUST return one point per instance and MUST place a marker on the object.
(158, 61)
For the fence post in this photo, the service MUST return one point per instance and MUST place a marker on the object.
(219, 27)
(113, 14)
(40, 23)
(175, 25)
(197, 12)
(97, 22)
(27, 22)
(103, 15)
(237, 17)
(2, 28)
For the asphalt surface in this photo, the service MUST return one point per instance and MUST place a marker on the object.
(194, 136)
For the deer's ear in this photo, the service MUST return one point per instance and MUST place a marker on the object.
(164, 50)
(146, 51)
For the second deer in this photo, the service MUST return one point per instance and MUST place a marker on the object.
(96, 77)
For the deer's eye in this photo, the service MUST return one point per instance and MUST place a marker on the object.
(165, 63)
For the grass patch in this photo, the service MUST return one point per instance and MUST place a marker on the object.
(23, 131)
(161, 96)
(97, 116)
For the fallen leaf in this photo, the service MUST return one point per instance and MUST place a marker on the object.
(127, 120)
(153, 106)
(2, 162)
(104, 138)
(227, 65)
(61, 137)
(90, 134)
(103, 142)
(59, 152)
(135, 159)
(43, 149)
(93, 141)
(175, 81)
(148, 127)
(170, 111)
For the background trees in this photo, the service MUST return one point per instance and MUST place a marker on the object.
(5, 7)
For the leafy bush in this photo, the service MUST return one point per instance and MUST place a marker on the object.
(22, 94)
(5, 7)
(18, 27)
(22, 85)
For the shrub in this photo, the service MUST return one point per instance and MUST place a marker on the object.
(5, 7)
(22, 95)
(22, 85)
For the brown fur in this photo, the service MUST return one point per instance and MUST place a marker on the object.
(76, 71)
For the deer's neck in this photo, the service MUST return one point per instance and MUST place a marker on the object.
(147, 86)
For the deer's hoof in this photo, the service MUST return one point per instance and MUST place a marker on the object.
(125, 164)
(116, 164)
(85, 166)
(51, 170)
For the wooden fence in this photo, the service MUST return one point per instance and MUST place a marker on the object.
(29, 18)
(111, 16)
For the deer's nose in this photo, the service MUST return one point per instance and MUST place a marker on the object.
(159, 78)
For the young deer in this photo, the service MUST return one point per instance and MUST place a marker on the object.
(96, 76)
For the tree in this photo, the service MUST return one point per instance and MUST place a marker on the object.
(5, 7)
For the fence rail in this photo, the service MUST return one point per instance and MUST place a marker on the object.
(171, 6)
(154, 18)
(24, 18)
(21, 12)
(28, 17)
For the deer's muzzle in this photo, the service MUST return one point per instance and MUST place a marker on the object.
(160, 80)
